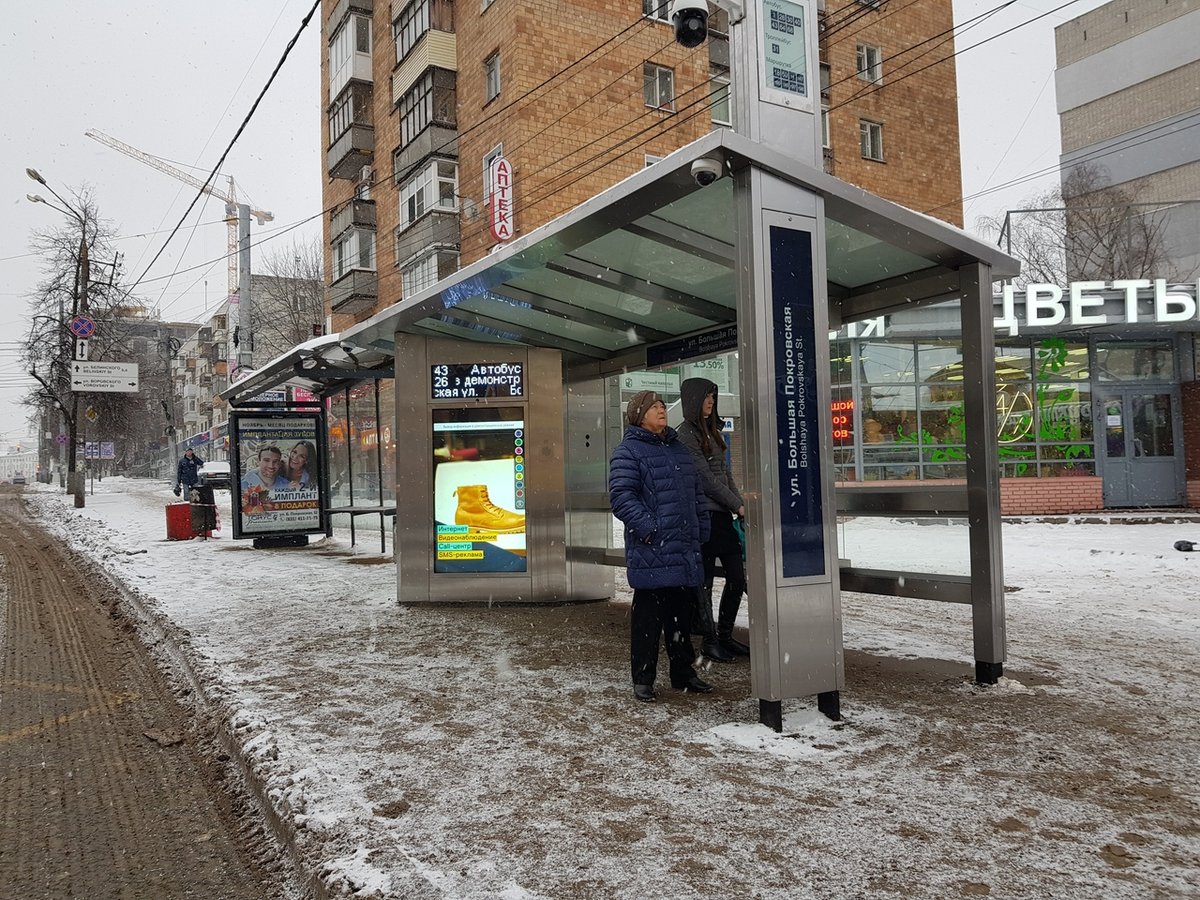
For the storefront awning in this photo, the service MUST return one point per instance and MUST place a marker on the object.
(649, 260)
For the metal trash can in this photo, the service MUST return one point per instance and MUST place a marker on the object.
(204, 510)
(179, 522)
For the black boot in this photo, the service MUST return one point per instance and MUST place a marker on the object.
(726, 616)
(732, 645)
(702, 625)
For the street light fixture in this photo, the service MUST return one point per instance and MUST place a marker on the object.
(79, 304)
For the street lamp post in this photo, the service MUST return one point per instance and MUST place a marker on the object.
(79, 304)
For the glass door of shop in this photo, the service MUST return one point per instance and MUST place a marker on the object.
(1140, 448)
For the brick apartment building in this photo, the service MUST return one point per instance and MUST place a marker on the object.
(420, 95)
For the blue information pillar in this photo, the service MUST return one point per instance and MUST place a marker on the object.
(791, 562)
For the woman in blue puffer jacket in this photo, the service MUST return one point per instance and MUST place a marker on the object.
(656, 492)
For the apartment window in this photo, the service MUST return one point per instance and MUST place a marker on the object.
(870, 63)
(433, 187)
(826, 80)
(825, 127)
(655, 9)
(718, 95)
(410, 27)
(490, 157)
(430, 101)
(870, 140)
(349, 50)
(491, 76)
(658, 86)
(354, 250)
(651, 160)
(427, 270)
(353, 107)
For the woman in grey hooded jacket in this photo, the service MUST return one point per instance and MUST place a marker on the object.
(701, 433)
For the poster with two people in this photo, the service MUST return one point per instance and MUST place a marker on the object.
(277, 466)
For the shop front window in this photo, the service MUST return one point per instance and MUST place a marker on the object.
(1135, 361)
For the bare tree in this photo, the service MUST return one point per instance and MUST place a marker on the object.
(289, 298)
(81, 275)
(1085, 230)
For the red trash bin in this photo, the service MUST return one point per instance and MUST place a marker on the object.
(179, 522)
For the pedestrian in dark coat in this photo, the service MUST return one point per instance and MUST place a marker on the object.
(655, 491)
(187, 472)
(701, 433)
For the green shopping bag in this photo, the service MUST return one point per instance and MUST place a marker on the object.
(741, 533)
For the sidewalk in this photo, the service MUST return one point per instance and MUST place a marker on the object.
(495, 752)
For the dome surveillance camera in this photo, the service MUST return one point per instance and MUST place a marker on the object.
(690, 18)
(706, 171)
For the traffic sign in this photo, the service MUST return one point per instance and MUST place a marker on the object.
(83, 327)
(91, 415)
(104, 376)
(60, 439)
(81, 348)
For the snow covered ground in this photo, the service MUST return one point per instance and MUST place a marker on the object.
(489, 752)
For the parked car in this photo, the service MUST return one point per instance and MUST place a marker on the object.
(214, 473)
(18, 478)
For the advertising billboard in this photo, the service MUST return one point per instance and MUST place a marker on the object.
(479, 489)
(277, 463)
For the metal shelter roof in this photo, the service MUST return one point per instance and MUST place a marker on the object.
(650, 259)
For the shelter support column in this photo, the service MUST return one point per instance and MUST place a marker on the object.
(983, 472)
(791, 558)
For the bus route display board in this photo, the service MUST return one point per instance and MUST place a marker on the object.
(478, 381)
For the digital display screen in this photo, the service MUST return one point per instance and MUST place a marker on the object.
(785, 56)
(476, 381)
(479, 490)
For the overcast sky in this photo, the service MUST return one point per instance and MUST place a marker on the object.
(175, 80)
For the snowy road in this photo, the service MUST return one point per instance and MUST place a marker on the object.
(497, 752)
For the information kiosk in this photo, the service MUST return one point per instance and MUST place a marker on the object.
(481, 477)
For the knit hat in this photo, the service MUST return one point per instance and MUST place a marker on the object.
(639, 404)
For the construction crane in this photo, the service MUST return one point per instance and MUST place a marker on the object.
(230, 197)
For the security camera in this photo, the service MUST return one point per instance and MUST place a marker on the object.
(706, 171)
(690, 18)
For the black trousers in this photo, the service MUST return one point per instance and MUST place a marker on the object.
(666, 612)
(726, 547)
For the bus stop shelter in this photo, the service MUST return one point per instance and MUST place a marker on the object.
(656, 270)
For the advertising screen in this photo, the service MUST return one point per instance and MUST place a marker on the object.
(479, 490)
(277, 465)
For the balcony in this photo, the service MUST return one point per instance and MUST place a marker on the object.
(354, 292)
(435, 138)
(343, 9)
(350, 152)
(436, 229)
(355, 214)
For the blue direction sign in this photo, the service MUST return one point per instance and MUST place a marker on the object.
(83, 327)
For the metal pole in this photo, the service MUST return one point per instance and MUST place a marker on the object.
(74, 483)
(245, 301)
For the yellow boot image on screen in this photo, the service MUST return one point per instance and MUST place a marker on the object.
(476, 509)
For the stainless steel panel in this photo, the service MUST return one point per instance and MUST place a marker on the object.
(983, 464)
(920, 499)
(546, 507)
(795, 623)
(919, 585)
(414, 533)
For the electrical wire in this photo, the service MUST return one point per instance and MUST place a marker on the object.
(242, 127)
(956, 53)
